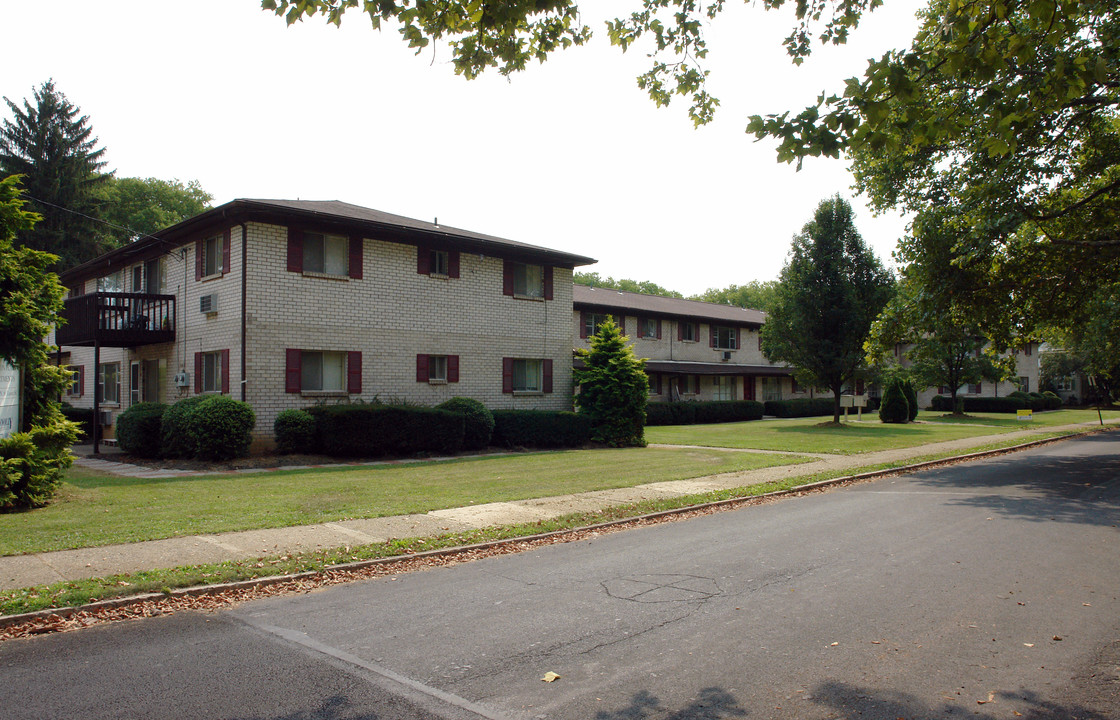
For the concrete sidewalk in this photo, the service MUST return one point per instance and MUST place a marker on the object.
(44, 568)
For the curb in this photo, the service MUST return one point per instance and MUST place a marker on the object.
(197, 590)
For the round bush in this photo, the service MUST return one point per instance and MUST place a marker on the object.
(479, 421)
(138, 429)
(174, 440)
(894, 408)
(911, 399)
(221, 428)
(295, 432)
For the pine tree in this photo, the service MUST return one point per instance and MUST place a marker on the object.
(613, 388)
(52, 146)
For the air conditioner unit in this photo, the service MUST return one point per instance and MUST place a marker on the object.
(106, 418)
(182, 380)
(726, 355)
(208, 303)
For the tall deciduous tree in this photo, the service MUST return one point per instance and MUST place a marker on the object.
(613, 388)
(50, 143)
(135, 207)
(646, 287)
(756, 295)
(830, 291)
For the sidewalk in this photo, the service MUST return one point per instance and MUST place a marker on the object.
(44, 568)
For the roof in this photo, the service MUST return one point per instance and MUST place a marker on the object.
(329, 214)
(607, 299)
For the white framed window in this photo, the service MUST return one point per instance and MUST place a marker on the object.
(527, 375)
(723, 387)
(648, 327)
(74, 389)
(654, 380)
(690, 331)
(212, 372)
(326, 254)
(689, 384)
(134, 383)
(439, 262)
(528, 280)
(109, 383)
(437, 369)
(322, 371)
(724, 338)
(111, 283)
(1025, 384)
(212, 255)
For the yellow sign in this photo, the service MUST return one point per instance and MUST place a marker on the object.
(1025, 415)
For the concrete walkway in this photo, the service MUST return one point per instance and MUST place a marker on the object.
(44, 568)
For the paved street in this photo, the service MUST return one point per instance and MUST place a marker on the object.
(985, 590)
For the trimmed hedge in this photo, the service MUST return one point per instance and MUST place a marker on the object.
(294, 431)
(175, 442)
(688, 413)
(138, 429)
(540, 428)
(479, 421)
(373, 430)
(1053, 401)
(221, 428)
(84, 418)
(800, 407)
(1009, 404)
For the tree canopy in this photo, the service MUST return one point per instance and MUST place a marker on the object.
(756, 295)
(830, 291)
(50, 143)
(647, 287)
(135, 207)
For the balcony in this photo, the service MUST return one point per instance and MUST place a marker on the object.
(114, 319)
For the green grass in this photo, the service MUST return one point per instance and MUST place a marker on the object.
(1048, 418)
(78, 592)
(811, 435)
(98, 509)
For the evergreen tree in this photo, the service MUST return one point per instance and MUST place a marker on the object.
(613, 388)
(50, 143)
(830, 291)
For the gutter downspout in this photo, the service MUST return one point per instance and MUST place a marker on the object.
(244, 295)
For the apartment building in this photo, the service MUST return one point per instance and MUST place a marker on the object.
(289, 303)
(694, 350)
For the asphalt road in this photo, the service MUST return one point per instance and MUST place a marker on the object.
(987, 590)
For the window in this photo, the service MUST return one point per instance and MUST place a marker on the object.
(437, 369)
(688, 331)
(975, 389)
(725, 338)
(326, 254)
(591, 323)
(649, 328)
(526, 375)
(134, 383)
(1025, 384)
(689, 384)
(322, 371)
(527, 281)
(655, 383)
(440, 263)
(212, 372)
(77, 387)
(794, 387)
(212, 256)
(111, 283)
(138, 279)
(109, 382)
(1063, 384)
(723, 387)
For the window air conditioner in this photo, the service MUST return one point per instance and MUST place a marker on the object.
(208, 303)
(726, 355)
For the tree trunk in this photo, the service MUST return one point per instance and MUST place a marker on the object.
(836, 405)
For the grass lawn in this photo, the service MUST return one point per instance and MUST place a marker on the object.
(97, 509)
(1048, 418)
(809, 435)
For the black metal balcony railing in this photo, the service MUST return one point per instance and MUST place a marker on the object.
(113, 319)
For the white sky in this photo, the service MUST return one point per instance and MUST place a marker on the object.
(569, 155)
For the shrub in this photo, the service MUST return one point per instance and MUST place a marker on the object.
(1072, 400)
(1007, 404)
(800, 407)
(220, 428)
(911, 399)
(687, 413)
(174, 440)
(941, 403)
(613, 388)
(32, 464)
(84, 418)
(138, 429)
(294, 431)
(894, 408)
(479, 427)
(373, 430)
(671, 413)
(1053, 401)
(540, 428)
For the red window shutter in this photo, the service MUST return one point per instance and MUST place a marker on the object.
(198, 248)
(453, 263)
(295, 254)
(583, 325)
(507, 375)
(546, 273)
(421, 368)
(659, 337)
(622, 324)
(711, 336)
(227, 244)
(354, 266)
(423, 261)
(507, 277)
(546, 375)
(452, 368)
(292, 371)
(748, 387)
(680, 330)
(225, 372)
(738, 338)
(198, 372)
(354, 372)
(641, 326)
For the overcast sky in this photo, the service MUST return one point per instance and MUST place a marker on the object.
(570, 154)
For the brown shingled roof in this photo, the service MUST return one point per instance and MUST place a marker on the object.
(606, 299)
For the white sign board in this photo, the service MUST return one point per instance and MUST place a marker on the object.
(9, 399)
